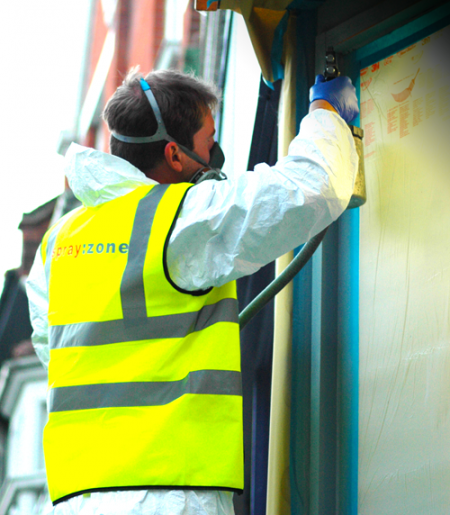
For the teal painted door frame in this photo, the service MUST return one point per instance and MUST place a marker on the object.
(325, 357)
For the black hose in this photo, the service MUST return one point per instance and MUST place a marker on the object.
(282, 280)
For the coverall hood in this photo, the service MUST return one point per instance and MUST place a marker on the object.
(96, 177)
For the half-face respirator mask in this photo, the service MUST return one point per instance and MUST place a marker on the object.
(211, 170)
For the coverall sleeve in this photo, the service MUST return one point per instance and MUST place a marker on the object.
(230, 229)
(37, 293)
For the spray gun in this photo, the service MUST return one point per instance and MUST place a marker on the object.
(331, 71)
(358, 199)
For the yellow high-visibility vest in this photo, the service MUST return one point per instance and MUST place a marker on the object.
(144, 378)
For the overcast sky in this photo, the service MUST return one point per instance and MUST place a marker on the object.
(40, 61)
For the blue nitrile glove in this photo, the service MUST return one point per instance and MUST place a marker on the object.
(339, 92)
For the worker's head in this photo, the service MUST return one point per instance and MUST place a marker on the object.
(185, 103)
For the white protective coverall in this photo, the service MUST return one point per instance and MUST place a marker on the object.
(225, 230)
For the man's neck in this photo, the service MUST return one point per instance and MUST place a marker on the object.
(162, 174)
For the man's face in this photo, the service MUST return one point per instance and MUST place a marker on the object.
(203, 142)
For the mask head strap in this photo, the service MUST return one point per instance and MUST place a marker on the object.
(161, 132)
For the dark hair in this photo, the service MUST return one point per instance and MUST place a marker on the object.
(183, 101)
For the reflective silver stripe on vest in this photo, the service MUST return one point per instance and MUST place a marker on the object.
(128, 395)
(168, 326)
(132, 287)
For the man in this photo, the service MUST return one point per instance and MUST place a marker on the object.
(134, 294)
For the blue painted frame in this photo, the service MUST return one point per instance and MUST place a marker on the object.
(402, 37)
(348, 360)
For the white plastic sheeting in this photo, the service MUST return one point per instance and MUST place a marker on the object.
(404, 432)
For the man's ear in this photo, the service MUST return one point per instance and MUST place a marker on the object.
(173, 157)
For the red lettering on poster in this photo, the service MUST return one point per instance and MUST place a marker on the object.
(363, 110)
(367, 107)
(366, 83)
(369, 133)
(417, 111)
(404, 119)
(392, 120)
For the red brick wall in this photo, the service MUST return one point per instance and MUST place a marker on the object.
(139, 34)
(98, 38)
(191, 29)
(146, 33)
